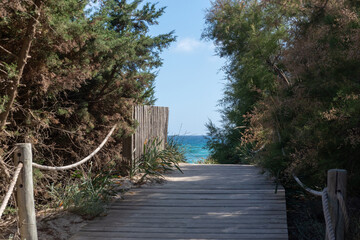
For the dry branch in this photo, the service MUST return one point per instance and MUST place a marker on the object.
(7, 51)
(11, 91)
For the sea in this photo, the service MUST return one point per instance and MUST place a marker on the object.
(195, 147)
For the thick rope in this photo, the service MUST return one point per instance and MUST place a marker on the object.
(329, 226)
(316, 193)
(325, 202)
(11, 188)
(78, 163)
(340, 197)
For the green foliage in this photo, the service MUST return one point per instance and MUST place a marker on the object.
(175, 149)
(223, 148)
(3, 101)
(156, 161)
(207, 161)
(292, 101)
(86, 196)
(250, 35)
(88, 68)
(37, 176)
(10, 211)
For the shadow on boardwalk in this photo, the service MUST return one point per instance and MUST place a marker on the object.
(206, 202)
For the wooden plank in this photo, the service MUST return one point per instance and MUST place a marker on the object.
(245, 213)
(248, 192)
(205, 219)
(264, 206)
(198, 203)
(203, 190)
(199, 210)
(207, 202)
(147, 218)
(182, 230)
(217, 187)
(122, 235)
(90, 237)
(201, 225)
(115, 214)
(207, 196)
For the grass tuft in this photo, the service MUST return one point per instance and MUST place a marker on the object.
(86, 196)
(155, 162)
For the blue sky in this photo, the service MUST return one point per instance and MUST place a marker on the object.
(190, 82)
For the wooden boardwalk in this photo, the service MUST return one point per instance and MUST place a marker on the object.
(206, 202)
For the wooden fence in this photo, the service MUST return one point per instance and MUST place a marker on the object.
(152, 123)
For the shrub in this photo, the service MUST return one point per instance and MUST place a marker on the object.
(155, 162)
(86, 196)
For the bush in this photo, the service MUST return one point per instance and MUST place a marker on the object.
(86, 196)
(155, 162)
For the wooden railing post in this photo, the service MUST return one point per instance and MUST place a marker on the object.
(336, 182)
(25, 193)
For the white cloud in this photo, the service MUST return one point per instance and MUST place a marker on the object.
(191, 45)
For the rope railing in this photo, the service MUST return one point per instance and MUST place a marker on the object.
(49, 168)
(342, 204)
(334, 230)
(330, 226)
(331, 229)
(11, 189)
(23, 179)
(314, 192)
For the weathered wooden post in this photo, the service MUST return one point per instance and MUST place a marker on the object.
(336, 182)
(25, 192)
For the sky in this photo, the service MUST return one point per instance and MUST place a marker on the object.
(190, 82)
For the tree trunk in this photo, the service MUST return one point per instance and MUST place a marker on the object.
(11, 90)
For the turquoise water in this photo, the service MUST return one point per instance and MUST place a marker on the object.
(194, 146)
